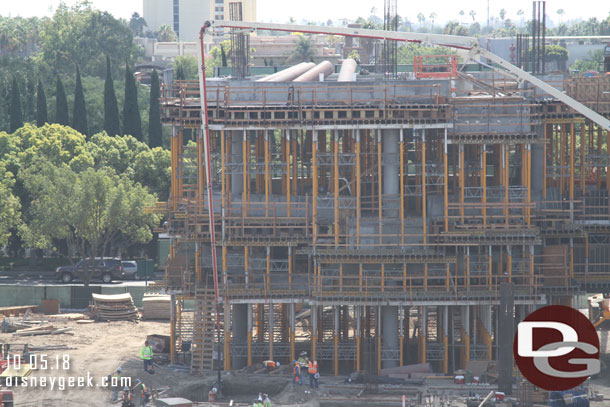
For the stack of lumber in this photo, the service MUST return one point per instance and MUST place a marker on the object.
(156, 306)
(41, 330)
(114, 307)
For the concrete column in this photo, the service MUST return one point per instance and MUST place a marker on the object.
(240, 334)
(391, 167)
(389, 334)
(237, 156)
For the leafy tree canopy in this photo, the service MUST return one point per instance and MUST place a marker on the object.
(83, 36)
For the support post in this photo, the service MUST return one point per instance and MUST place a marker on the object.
(484, 183)
(314, 191)
(287, 143)
(336, 184)
(423, 187)
(267, 173)
(358, 192)
(446, 181)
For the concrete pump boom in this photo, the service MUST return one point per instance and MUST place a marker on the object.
(453, 41)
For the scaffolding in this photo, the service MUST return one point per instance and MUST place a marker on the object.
(372, 224)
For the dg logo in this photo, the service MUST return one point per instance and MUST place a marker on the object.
(556, 348)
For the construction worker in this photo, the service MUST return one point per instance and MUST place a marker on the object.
(146, 354)
(303, 362)
(312, 370)
(144, 394)
(213, 394)
(266, 402)
(296, 373)
(115, 391)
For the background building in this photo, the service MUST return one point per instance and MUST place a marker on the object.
(187, 16)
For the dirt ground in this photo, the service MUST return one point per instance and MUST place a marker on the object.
(96, 349)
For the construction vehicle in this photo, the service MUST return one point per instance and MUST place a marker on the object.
(6, 398)
(607, 59)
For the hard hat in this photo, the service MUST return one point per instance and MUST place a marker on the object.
(138, 381)
(294, 361)
(303, 353)
(118, 369)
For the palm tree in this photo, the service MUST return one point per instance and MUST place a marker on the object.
(291, 20)
(502, 15)
(521, 13)
(303, 51)
(433, 15)
(560, 12)
(472, 14)
(461, 13)
(421, 18)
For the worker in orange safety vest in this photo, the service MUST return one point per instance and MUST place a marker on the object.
(312, 369)
(296, 373)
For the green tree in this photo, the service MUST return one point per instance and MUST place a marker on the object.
(132, 123)
(41, 105)
(165, 33)
(79, 116)
(112, 123)
(185, 66)
(472, 14)
(223, 56)
(455, 28)
(502, 15)
(15, 107)
(155, 131)
(61, 104)
(303, 50)
(152, 168)
(137, 24)
(83, 36)
(592, 63)
(91, 210)
(10, 208)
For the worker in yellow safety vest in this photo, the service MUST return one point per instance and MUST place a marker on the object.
(146, 354)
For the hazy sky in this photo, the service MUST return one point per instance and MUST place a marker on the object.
(322, 10)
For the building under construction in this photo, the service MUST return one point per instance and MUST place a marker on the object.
(370, 221)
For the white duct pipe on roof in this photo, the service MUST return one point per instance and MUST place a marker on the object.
(348, 70)
(313, 74)
(288, 74)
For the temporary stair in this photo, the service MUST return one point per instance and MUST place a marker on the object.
(204, 331)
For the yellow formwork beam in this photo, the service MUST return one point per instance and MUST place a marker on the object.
(314, 165)
(287, 148)
(446, 182)
(461, 180)
(245, 188)
(402, 187)
(358, 193)
(423, 188)
(267, 173)
(484, 183)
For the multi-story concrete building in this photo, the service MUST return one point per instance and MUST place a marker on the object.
(186, 16)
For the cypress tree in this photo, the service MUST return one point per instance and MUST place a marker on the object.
(223, 56)
(179, 73)
(15, 108)
(132, 124)
(61, 102)
(79, 117)
(112, 123)
(41, 105)
(154, 114)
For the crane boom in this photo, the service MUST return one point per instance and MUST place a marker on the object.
(452, 41)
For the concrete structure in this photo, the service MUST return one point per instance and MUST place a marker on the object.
(186, 16)
(373, 222)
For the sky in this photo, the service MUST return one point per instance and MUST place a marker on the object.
(323, 10)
